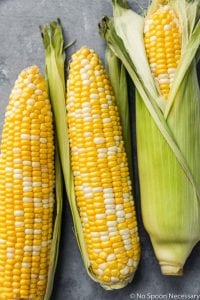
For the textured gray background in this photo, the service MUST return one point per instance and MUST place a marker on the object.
(21, 46)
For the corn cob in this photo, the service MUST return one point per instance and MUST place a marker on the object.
(162, 38)
(168, 132)
(26, 189)
(101, 175)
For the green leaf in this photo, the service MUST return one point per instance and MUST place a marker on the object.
(57, 227)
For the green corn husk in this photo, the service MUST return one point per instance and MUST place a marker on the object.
(118, 77)
(57, 219)
(57, 227)
(168, 132)
(55, 72)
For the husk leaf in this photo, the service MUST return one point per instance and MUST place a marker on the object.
(57, 227)
(55, 58)
(118, 77)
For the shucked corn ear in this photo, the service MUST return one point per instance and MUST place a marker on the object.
(162, 38)
(160, 52)
(98, 185)
(101, 174)
(27, 183)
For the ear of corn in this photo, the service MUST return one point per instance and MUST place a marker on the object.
(27, 180)
(98, 186)
(101, 176)
(168, 128)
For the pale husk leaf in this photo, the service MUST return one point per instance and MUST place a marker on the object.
(55, 59)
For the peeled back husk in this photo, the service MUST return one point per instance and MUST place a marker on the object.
(168, 133)
(53, 40)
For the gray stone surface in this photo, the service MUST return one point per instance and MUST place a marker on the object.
(21, 46)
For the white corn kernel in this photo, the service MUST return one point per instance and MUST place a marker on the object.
(119, 207)
(19, 224)
(99, 271)
(35, 137)
(103, 266)
(84, 62)
(97, 250)
(26, 265)
(171, 70)
(110, 206)
(124, 271)
(43, 140)
(167, 27)
(111, 257)
(120, 220)
(9, 169)
(124, 231)
(86, 82)
(27, 189)
(88, 195)
(30, 101)
(128, 215)
(18, 176)
(128, 247)
(114, 279)
(37, 231)
(36, 184)
(102, 150)
(100, 216)
(127, 242)
(28, 248)
(112, 229)
(120, 213)
(153, 39)
(111, 223)
(94, 96)
(17, 161)
(104, 238)
(109, 201)
(164, 81)
(84, 76)
(94, 234)
(36, 248)
(10, 255)
(29, 231)
(32, 86)
(110, 211)
(113, 233)
(18, 213)
(97, 189)
(27, 200)
(35, 164)
(38, 92)
(99, 140)
(130, 262)
(27, 183)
